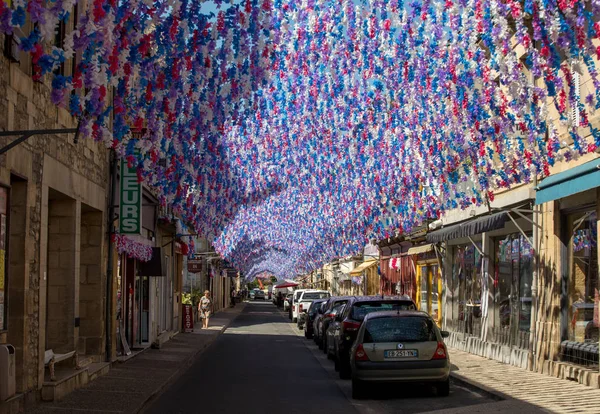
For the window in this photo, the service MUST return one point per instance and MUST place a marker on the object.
(403, 329)
(583, 286)
(315, 295)
(465, 289)
(512, 281)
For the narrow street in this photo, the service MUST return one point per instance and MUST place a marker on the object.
(261, 364)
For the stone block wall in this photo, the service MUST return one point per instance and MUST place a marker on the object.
(61, 275)
(91, 285)
(42, 163)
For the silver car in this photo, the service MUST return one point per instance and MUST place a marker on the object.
(399, 346)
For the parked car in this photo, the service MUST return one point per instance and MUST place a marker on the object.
(345, 326)
(317, 322)
(259, 294)
(328, 340)
(304, 301)
(327, 318)
(287, 303)
(309, 317)
(400, 346)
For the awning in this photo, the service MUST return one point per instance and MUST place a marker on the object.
(155, 266)
(573, 181)
(469, 228)
(425, 248)
(357, 271)
(286, 285)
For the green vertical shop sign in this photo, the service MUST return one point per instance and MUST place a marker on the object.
(130, 209)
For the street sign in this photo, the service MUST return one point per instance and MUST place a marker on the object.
(130, 217)
(188, 318)
(194, 265)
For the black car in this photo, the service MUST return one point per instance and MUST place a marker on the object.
(344, 328)
(328, 316)
(309, 317)
(317, 322)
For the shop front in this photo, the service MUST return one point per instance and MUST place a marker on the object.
(574, 196)
(487, 301)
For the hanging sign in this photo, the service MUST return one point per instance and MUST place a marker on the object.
(194, 265)
(188, 318)
(130, 216)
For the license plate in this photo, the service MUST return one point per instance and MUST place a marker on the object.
(401, 353)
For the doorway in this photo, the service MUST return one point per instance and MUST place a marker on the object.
(429, 288)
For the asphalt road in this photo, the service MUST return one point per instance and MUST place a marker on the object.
(261, 364)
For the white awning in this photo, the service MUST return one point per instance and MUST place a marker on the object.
(425, 248)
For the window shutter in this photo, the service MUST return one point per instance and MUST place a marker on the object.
(575, 118)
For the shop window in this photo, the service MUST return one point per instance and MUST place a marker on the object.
(583, 287)
(512, 282)
(465, 289)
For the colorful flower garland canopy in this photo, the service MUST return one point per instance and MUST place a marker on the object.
(290, 131)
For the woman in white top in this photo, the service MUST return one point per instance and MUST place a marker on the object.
(205, 308)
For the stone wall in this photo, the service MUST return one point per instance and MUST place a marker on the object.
(43, 163)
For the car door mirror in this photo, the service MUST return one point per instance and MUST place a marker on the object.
(445, 334)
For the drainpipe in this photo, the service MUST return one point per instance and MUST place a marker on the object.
(531, 363)
(109, 270)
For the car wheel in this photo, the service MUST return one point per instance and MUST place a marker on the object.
(443, 388)
(358, 389)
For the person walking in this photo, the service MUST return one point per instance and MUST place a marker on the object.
(233, 296)
(205, 308)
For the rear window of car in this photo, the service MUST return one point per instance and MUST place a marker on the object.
(315, 295)
(399, 329)
(298, 294)
(360, 310)
(314, 307)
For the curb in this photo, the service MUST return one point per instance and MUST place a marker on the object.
(183, 367)
(474, 386)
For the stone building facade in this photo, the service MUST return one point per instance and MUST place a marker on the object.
(54, 229)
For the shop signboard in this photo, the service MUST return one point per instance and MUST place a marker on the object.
(130, 209)
(188, 318)
(194, 265)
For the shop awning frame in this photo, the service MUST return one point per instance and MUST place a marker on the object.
(484, 224)
(469, 228)
(357, 271)
(573, 181)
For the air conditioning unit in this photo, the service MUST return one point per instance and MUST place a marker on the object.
(11, 47)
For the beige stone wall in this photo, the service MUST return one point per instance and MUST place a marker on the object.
(44, 162)
(91, 285)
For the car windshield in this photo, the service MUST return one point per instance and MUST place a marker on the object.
(315, 295)
(360, 310)
(399, 329)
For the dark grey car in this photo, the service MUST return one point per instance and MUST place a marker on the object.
(402, 346)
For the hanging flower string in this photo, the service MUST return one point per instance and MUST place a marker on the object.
(132, 248)
(291, 131)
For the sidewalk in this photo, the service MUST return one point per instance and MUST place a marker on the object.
(523, 391)
(129, 386)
